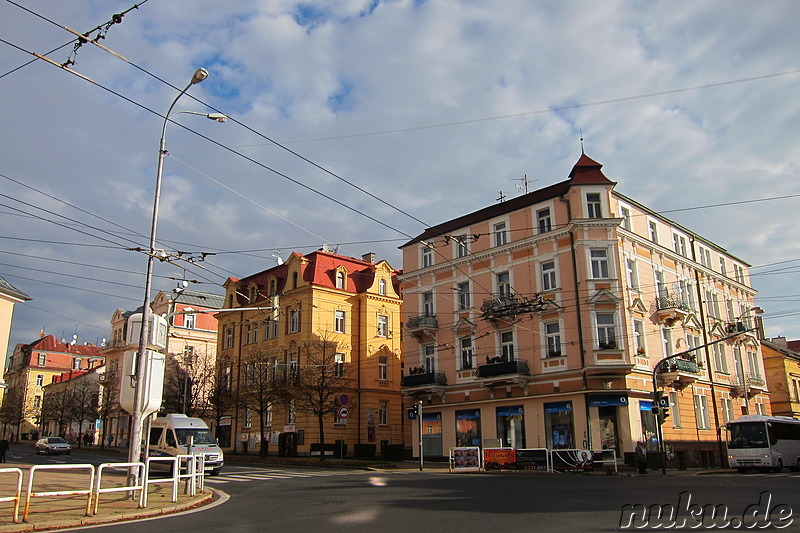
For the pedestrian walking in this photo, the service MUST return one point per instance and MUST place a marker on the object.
(641, 457)
(4, 444)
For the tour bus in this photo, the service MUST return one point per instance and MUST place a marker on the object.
(764, 442)
(169, 436)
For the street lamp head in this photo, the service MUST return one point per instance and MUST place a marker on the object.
(757, 310)
(219, 117)
(199, 75)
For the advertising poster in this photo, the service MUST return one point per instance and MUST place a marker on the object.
(465, 459)
(468, 428)
(499, 459)
(572, 460)
(533, 459)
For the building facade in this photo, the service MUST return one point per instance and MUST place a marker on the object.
(315, 313)
(70, 406)
(537, 323)
(34, 365)
(782, 365)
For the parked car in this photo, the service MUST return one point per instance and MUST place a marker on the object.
(50, 445)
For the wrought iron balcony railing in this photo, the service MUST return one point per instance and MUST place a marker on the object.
(428, 378)
(502, 368)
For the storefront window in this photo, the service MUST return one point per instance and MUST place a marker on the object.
(559, 426)
(432, 434)
(511, 426)
(648, 425)
(468, 428)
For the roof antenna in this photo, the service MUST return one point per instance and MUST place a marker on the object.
(502, 197)
(524, 186)
(581, 130)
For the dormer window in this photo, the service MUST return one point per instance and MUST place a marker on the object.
(382, 287)
(76, 363)
(294, 280)
(340, 277)
(593, 205)
(253, 293)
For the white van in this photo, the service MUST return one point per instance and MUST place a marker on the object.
(169, 435)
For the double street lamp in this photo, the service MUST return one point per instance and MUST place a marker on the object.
(135, 448)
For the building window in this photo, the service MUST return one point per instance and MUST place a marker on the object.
(666, 339)
(638, 336)
(633, 274)
(188, 353)
(291, 413)
(466, 352)
(267, 328)
(507, 345)
(382, 287)
(653, 231)
(272, 287)
(500, 234)
(760, 409)
(599, 258)
(727, 410)
(248, 417)
(606, 337)
(429, 358)
(752, 364)
(704, 256)
(461, 245)
(268, 416)
(679, 244)
(189, 321)
(427, 256)
(626, 218)
(463, 296)
(675, 409)
(383, 413)
(340, 280)
(738, 273)
(383, 326)
(37, 402)
(229, 337)
(39, 380)
(76, 363)
(593, 208)
(543, 220)
(427, 303)
(42, 359)
(383, 367)
(552, 331)
(503, 285)
(338, 365)
(253, 294)
(294, 321)
(701, 411)
(548, 275)
(339, 317)
(248, 334)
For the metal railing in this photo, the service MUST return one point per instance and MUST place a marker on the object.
(17, 495)
(31, 494)
(136, 487)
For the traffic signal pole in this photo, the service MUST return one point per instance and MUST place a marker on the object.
(419, 425)
(659, 420)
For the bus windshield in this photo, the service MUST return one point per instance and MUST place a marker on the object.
(201, 436)
(748, 435)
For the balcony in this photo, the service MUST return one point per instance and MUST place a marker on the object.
(678, 372)
(421, 325)
(751, 385)
(504, 373)
(424, 383)
(670, 309)
(508, 307)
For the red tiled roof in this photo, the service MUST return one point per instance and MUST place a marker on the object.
(49, 343)
(793, 346)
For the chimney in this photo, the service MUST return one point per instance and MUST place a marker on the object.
(780, 342)
(368, 257)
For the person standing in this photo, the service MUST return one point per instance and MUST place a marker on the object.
(641, 457)
(3, 449)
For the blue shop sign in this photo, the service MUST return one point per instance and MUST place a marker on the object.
(558, 407)
(431, 416)
(512, 410)
(645, 405)
(608, 400)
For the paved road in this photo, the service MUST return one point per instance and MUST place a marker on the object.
(299, 500)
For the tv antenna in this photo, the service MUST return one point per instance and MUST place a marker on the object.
(523, 186)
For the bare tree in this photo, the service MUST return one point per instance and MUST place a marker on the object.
(109, 402)
(85, 392)
(321, 380)
(260, 388)
(220, 397)
(12, 411)
(187, 381)
(57, 407)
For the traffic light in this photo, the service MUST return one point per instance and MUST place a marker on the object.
(413, 412)
(664, 412)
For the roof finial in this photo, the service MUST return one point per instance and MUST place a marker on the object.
(581, 130)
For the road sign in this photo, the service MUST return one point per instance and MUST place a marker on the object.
(344, 399)
(344, 412)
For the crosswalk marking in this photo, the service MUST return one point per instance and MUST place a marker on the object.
(261, 475)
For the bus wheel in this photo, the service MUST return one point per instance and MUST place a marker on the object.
(779, 467)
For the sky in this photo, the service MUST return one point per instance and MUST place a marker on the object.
(358, 123)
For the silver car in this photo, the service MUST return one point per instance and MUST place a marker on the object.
(51, 445)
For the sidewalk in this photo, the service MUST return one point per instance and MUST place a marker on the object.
(51, 512)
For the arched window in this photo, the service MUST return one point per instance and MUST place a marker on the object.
(340, 280)
(294, 280)
(272, 287)
(382, 287)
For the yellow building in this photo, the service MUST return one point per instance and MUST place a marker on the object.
(314, 313)
(9, 295)
(782, 366)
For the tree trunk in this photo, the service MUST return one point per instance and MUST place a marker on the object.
(321, 438)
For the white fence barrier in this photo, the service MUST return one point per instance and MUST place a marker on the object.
(118, 466)
(87, 491)
(17, 495)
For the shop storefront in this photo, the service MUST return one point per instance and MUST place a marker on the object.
(511, 426)
(559, 425)
(468, 427)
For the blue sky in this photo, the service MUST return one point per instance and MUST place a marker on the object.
(431, 106)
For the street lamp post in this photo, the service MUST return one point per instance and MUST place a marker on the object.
(135, 445)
